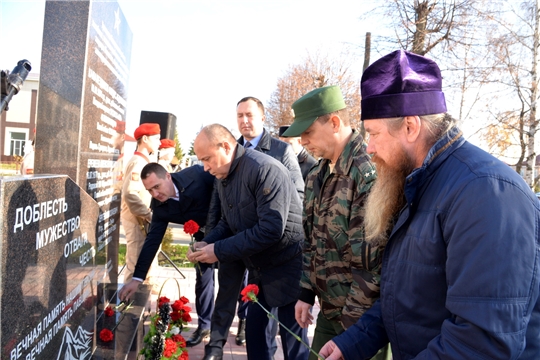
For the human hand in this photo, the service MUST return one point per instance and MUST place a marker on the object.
(330, 351)
(193, 249)
(204, 254)
(302, 314)
(199, 244)
(128, 289)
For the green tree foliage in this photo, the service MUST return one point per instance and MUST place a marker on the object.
(178, 152)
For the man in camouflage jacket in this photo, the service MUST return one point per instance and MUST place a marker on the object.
(340, 268)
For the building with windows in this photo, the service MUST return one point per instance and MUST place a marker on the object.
(18, 123)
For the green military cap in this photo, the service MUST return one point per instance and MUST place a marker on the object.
(315, 103)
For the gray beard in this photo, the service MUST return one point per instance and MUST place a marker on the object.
(386, 199)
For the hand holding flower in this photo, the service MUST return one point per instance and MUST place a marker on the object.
(191, 228)
(128, 290)
(205, 255)
(199, 245)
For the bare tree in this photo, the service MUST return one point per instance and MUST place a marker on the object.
(488, 53)
(316, 71)
(420, 26)
(514, 46)
(451, 32)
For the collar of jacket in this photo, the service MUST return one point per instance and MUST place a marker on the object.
(345, 160)
(181, 182)
(436, 156)
(238, 153)
(264, 143)
(302, 155)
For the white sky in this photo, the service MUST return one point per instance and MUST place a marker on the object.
(197, 58)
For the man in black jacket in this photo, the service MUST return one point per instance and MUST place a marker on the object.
(305, 160)
(250, 120)
(177, 198)
(261, 230)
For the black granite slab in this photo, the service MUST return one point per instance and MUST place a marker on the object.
(48, 274)
(127, 327)
(82, 100)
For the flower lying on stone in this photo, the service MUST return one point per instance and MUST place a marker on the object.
(108, 311)
(107, 335)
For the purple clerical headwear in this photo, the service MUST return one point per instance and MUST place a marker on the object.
(402, 84)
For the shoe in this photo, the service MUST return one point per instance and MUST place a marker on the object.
(213, 357)
(197, 337)
(241, 335)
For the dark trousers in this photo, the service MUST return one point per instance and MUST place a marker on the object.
(258, 339)
(242, 306)
(204, 294)
(230, 278)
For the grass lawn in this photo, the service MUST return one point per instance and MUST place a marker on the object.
(177, 253)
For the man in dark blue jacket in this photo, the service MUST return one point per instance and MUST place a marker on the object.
(250, 120)
(261, 230)
(177, 198)
(305, 160)
(460, 273)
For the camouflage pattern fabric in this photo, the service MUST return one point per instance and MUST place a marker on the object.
(339, 266)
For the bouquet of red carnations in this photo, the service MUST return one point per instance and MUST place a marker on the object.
(163, 341)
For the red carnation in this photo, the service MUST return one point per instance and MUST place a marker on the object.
(170, 348)
(186, 317)
(250, 288)
(163, 300)
(191, 227)
(184, 299)
(109, 311)
(106, 335)
(184, 356)
(179, 339)
(175, 316)
(177, 305)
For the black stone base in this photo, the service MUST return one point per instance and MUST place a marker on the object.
(129, 333)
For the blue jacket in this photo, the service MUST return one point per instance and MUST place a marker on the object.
(195, 188)
(282, 152)
(460, 274)
(279, 150)
(261, 224)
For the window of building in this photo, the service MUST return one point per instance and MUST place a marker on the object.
(16, 146)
